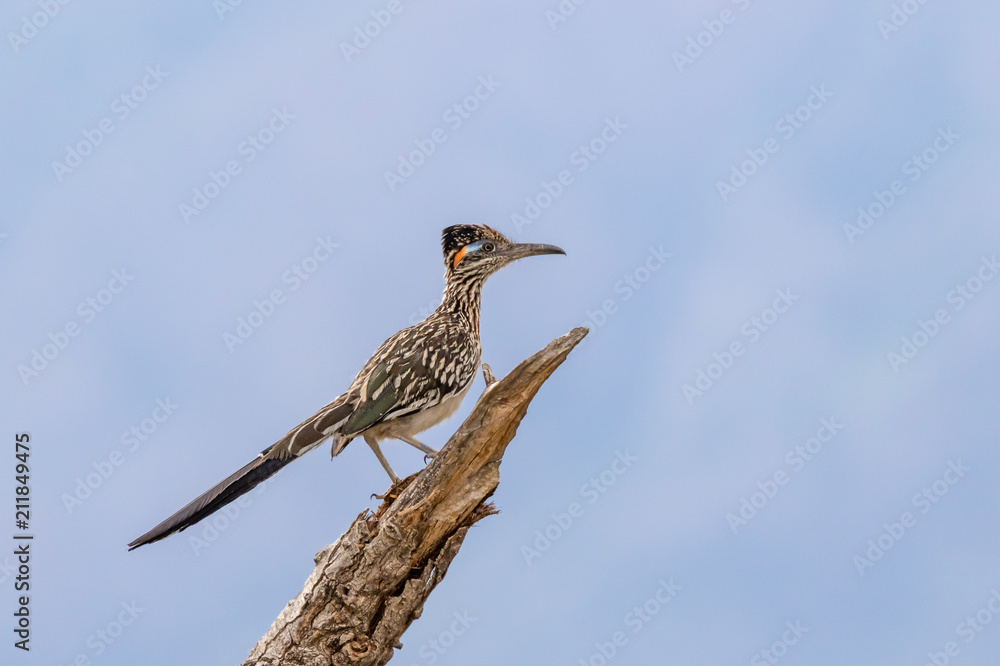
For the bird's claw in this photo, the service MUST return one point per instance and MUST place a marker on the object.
(392, 492)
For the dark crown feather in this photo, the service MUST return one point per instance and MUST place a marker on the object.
(457, 236)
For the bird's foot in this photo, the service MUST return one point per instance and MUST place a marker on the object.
(394, 491)
(391, 494)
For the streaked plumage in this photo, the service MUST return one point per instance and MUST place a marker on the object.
(415, 379)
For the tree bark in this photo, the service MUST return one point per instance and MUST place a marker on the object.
(371, 583)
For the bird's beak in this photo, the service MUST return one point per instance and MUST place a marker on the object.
(521, 250)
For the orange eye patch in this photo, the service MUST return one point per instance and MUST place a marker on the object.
(471, 247)
(458, 256)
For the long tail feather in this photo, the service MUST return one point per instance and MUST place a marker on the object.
(231, 488)
(300, 440)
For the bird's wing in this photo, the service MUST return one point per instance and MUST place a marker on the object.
(412, 375)
(393, 388)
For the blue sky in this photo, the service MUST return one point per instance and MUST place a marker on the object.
(781, 226)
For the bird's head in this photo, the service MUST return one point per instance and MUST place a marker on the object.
(477, 251)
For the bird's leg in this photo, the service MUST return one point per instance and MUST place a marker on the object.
(381, 458)
(417, 444)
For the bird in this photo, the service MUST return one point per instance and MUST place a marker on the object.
(414, 380)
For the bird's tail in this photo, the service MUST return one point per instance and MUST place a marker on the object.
(224, 492)
(300, 440)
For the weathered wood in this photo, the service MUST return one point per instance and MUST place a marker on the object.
(371, 583)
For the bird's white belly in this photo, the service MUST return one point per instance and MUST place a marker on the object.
(416, 423)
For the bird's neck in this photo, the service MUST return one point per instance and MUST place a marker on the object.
(462, 299)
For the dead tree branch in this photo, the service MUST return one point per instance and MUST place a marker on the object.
(371, 583)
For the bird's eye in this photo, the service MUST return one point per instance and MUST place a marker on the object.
(489, 247)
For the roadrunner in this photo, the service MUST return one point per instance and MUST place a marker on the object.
(415, 380)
